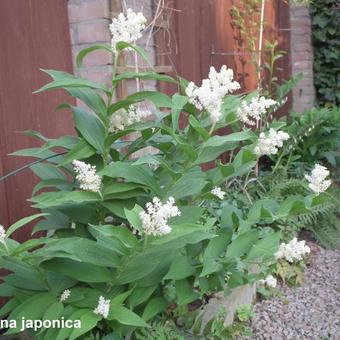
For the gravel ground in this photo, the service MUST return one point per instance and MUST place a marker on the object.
(309, 312)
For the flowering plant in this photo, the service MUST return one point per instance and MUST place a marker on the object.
(290, 261)
(126, 230)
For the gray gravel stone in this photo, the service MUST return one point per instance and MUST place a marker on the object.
(313, 309)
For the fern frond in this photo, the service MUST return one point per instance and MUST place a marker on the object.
(159, 331)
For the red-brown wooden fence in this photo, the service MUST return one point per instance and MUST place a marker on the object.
(34, 34)
(202, 35)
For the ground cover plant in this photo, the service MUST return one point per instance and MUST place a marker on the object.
(133, 242)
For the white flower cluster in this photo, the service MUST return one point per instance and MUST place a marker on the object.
(103, 307)
(218, 192)
(123, 118)
(269, 281)
(65, 295)
(209, 95)
(2, 234)
(127, 28)
(317, 179)
(250, 113)
(87, 176)
(268, 145)
(155, 219)
(292, 251)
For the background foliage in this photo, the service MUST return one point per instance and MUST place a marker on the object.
(326, 40)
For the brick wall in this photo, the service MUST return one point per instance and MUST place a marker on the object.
(302, 57)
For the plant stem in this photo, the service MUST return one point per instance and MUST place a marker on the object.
(278, 161)
(114, 71)
(212, 129)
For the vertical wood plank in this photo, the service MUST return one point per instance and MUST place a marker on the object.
(35, 34)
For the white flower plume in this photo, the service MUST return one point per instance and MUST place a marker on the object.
(292, 251)
(218, 192)
(123, 118)
(65, 295)
(155, 218)
(250, 113)
(317, 179)
(87, 176)
(269, 144)
(269, 281)
(209, 95)
(2, 234)
(103, 307)
(127, 27)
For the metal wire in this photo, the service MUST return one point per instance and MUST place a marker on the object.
(13, 173)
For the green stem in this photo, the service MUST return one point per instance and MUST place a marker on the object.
(212, 129)
(5, 246)
(114, 71)
(278, 161)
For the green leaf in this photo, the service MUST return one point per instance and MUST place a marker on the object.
(126, 317)
(70, 82)
(185, 292)
(178, 102)
(263, 209)
(133, 216)
(69, 314)
(265, 248)
(80, 151)
(9, 306)
(117, 207)
(136, 267)
(123, 234)
(22, 222)
(58, 198)
(53, 182)
(84, 272)
(214, 249)
(84, 250)
(180, 268)
(291, 206)
(84, 52)
(241, 244)
(33, 309)
(197, 126)
(143, 75)
(90, 127)
(23, 272)
(216, 145)
(189, 214)
(140, 295)
(190, 184)
(30, 244)
(54, 311)
(33, 152)
(88, 321)
(159, 99)
(154, 307)
(92, 99)
(132, 173)
(121, 45)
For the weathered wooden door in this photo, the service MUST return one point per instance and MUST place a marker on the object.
(34, 34)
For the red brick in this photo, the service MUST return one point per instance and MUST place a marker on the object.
(93, 31)
(303, 47)
(299, 11)
(88, 10)
(99, 74)
(302, 56)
